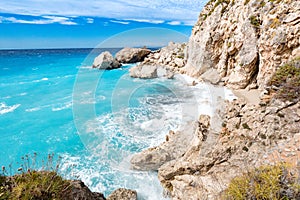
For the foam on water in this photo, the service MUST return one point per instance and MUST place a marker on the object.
(33, 109)
(63, 106)
(7, 109)
(42, 79)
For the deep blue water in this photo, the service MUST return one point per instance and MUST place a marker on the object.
(51, 101)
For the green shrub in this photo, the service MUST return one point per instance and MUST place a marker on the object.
(42, 185)
(246, 2)
(267, 183)
(287, 81)
(31, 184)
(254, 21)
(246, 126)
(262, 3)
(226, 2)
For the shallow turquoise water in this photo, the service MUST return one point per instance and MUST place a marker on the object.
(52, 102)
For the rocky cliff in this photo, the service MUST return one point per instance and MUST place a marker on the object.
(238, 42)
(252, 135)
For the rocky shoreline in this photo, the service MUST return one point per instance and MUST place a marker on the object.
(241, 45)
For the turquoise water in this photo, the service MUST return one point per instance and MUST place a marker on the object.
(93, 121)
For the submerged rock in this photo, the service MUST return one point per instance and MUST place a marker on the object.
(132, 55)
(123, 194)
(106, 61)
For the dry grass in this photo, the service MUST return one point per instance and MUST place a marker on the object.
(268, 182)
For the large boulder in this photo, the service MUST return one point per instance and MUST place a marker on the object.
(132, 55)
(106, 61)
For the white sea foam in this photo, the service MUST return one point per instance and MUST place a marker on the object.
(7, 109)
(23, 94)
(33, 109)
(62, 106)
(84, 67)
(101, 176)
(40, 80)
(7, 97)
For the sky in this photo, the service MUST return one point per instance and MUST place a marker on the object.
(27, 24)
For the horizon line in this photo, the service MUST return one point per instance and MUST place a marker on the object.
(63, 48)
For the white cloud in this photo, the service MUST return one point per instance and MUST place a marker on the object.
(119, 22)
(68, 23)
(174, 23)
(43, 20)
(152, 21)
(166, 10)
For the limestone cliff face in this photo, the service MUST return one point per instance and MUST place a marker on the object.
(239, 42)
(252, 135)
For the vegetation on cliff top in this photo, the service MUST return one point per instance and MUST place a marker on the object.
(28, 183)
(286, 81)
(42, 185)
(276, 182)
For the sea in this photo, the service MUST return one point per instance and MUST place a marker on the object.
(58, 113)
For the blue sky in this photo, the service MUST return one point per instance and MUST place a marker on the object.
(78, 23)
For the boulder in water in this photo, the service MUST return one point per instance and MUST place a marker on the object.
(132, 55)
(106, 61)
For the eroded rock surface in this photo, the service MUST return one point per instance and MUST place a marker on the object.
(174, 147)
(132, 55)
(250, 135)
(123, 194)
(106, 61)
(162, 63)
(143, 71)
(243, 42)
